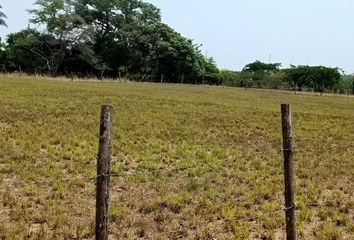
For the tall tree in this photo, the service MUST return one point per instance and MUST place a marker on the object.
(121, 26)
(2, 16)
(129, 35)
(65, 32)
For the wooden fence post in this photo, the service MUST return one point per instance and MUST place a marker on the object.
(288, 172)
(103, 173)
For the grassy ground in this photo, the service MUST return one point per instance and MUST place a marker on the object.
(49, 129)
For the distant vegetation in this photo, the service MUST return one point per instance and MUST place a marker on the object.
(104, 38)
(297, 78)
(127, 39)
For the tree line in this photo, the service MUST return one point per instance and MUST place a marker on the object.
(109, 38)
(127, 39)
(297, 78)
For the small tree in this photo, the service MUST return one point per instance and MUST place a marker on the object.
(230, 78)
(346, 85)
(25, 49)
(259, 73)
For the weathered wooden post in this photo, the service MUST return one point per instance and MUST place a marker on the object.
(103, 173)
(288, 172)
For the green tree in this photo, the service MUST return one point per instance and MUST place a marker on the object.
(2, 16)
(318, 78)
(177, 56)
(247, 80)
(129, 35)
(3, 56)
(108, 37)
(260, 74)
(123, 30)
(211, 74)
(259, 66)
(25, 49)
(65, 31)
(231, 78)
(346, 84)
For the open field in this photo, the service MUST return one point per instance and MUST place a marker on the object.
(230, 137)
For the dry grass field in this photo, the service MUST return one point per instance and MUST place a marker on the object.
(195, 162)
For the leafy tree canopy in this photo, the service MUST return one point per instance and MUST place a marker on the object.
(317, 77)
(259, 66)
(110, 37)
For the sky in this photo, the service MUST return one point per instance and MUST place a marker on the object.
(234, 33)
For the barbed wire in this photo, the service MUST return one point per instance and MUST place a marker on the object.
(34, 183)
(300, 149)
(312, 150)
(139, 172)
(164, 170)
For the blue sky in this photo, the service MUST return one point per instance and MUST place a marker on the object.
(315, 32)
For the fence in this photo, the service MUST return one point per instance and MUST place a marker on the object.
(104, 174)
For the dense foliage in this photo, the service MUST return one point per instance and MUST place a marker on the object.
(105, 38)
(127, 39)
(297, 78)
(317, 78)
